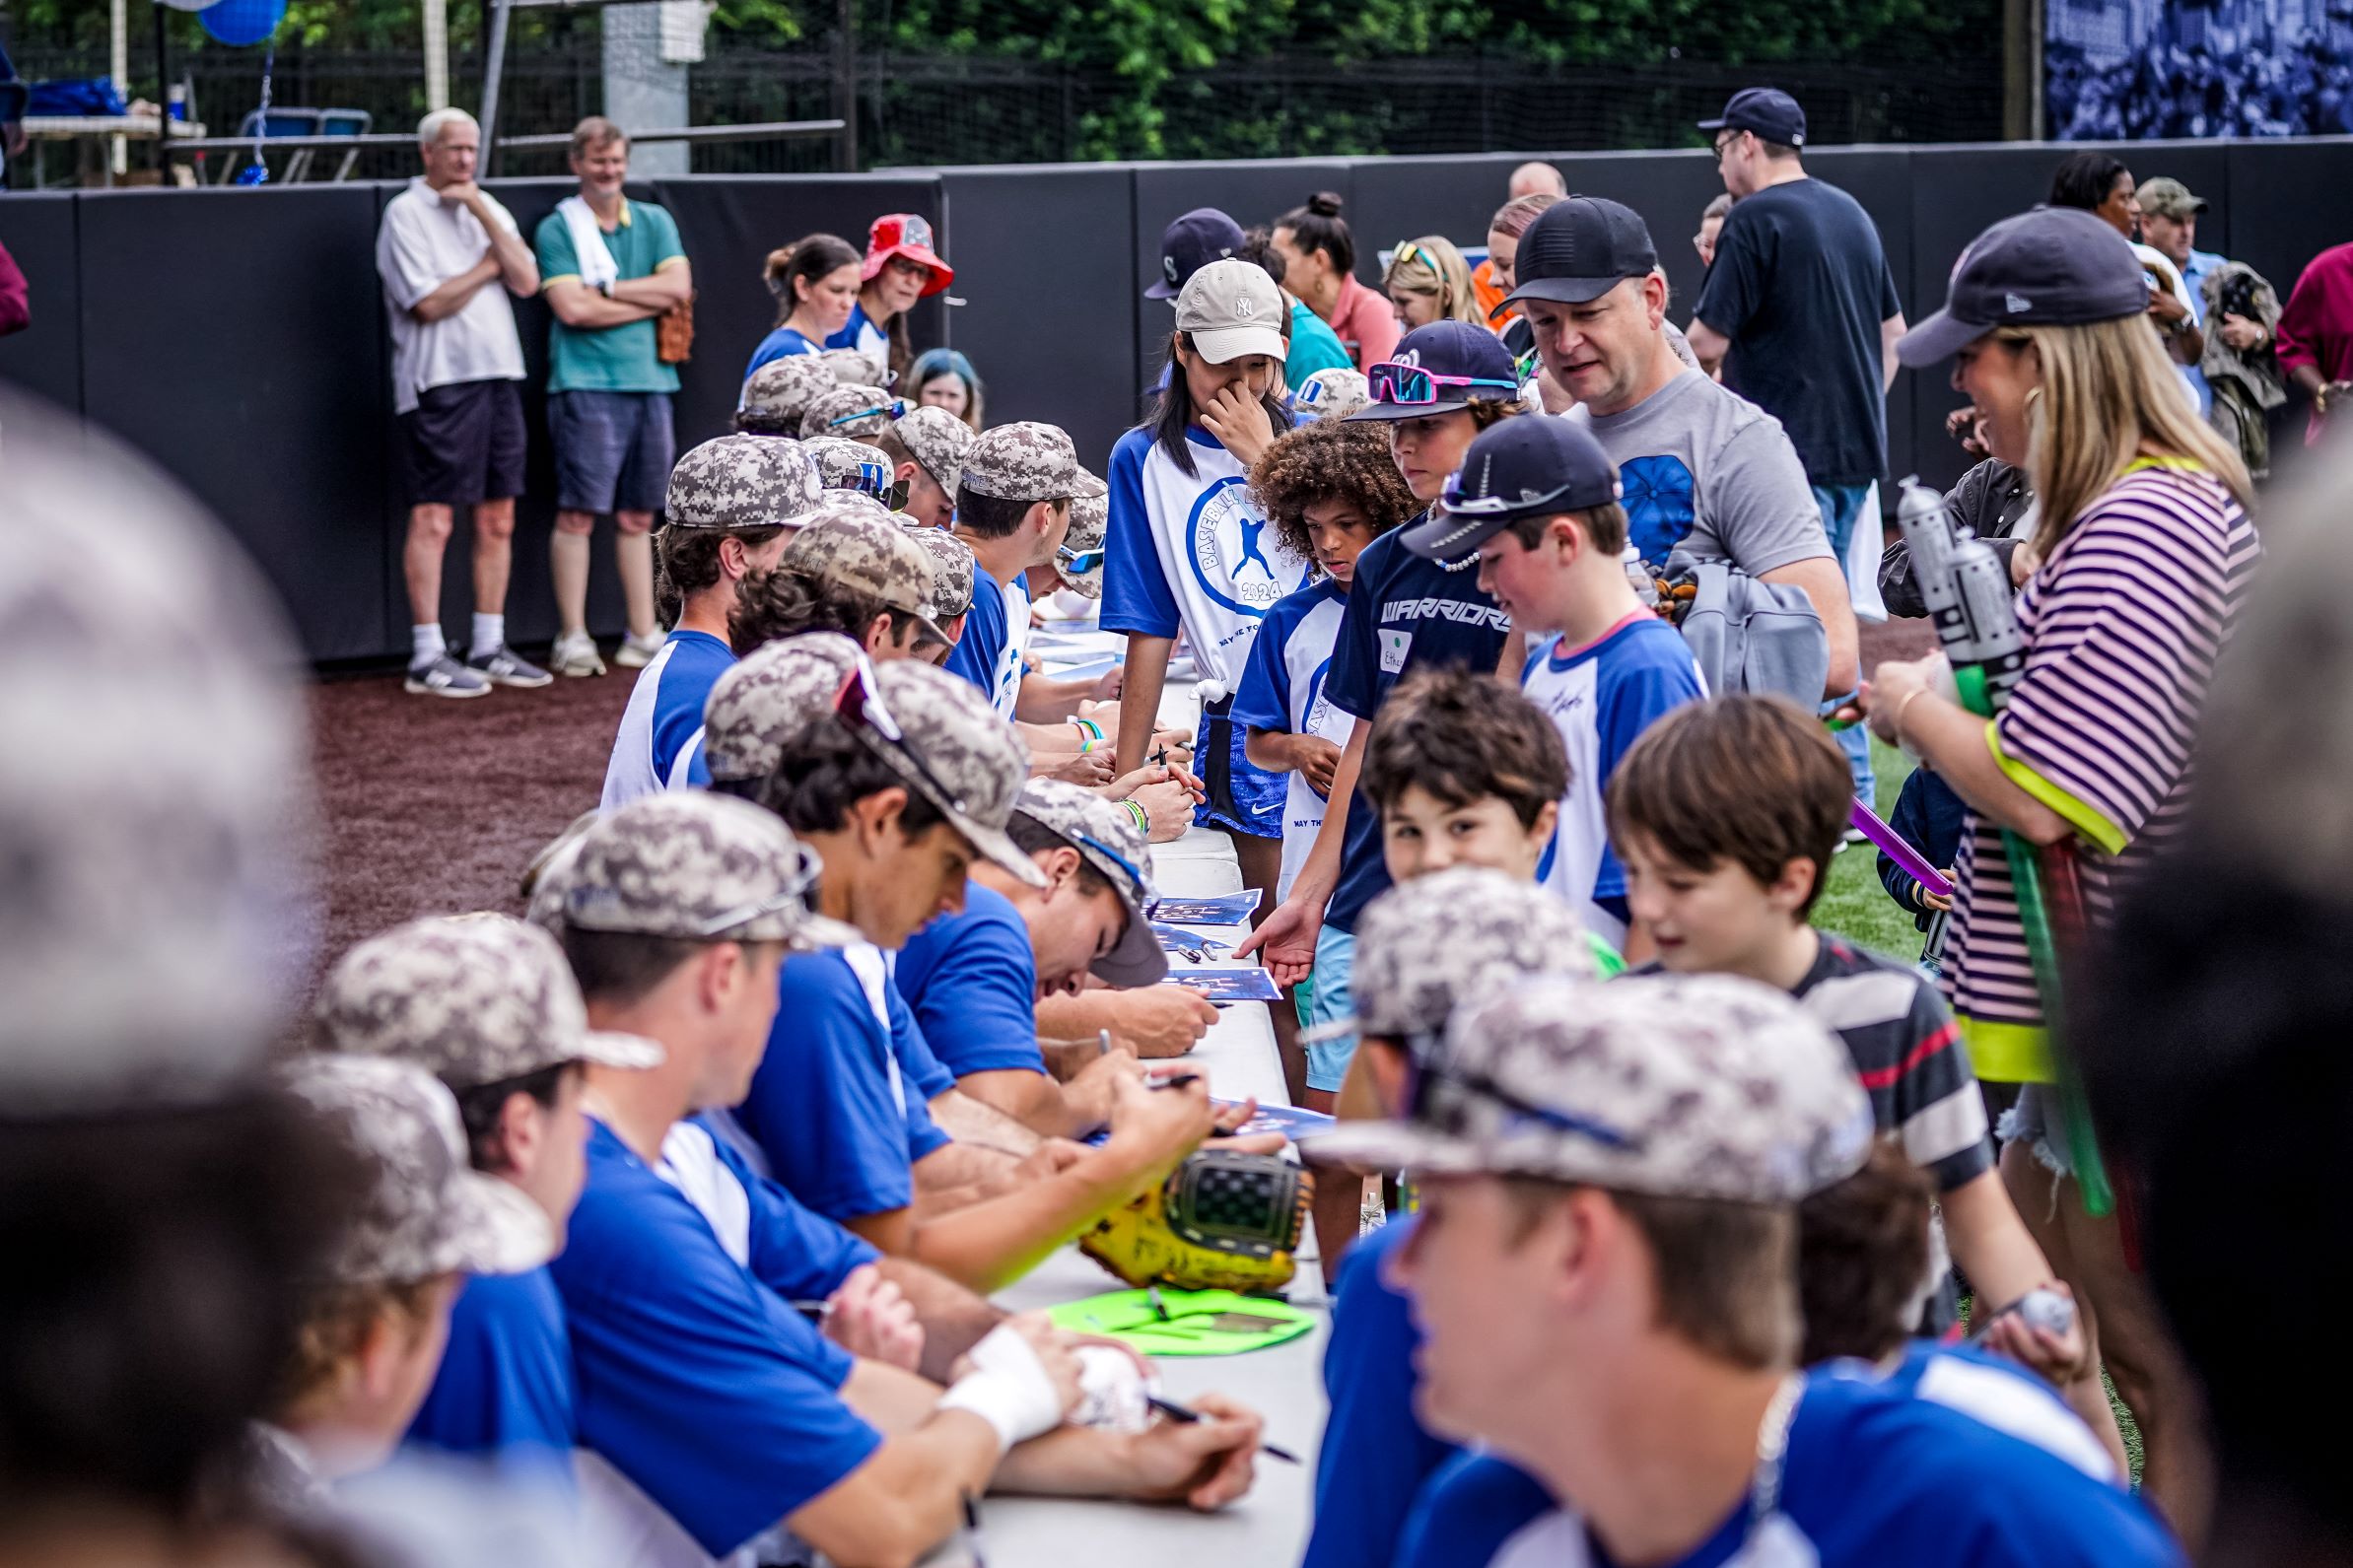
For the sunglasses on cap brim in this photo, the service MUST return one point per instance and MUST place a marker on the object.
(1135, 875)
(1077, 563)
(1426, 1065)
(792, 897)
(1452, 499)
(1407, 386)
(860, 707)
(896, 408)
(874, 479)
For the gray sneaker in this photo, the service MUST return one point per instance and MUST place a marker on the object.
(576, 654)
(444, 676)
(500, 667)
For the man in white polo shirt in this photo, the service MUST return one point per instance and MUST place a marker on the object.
(456, 368)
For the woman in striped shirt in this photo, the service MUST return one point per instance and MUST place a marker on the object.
(2129, 589)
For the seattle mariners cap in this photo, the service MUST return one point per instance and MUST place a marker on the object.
(688, 865)
(155, 792)
(472, 998)
(2168, 197)
(847, 410)
(1106, 837)
(939, 441)
(952, 568)
(763, 702)
(741, 482)
(1079, 562)
(1231, 308)
(2053, 266)
(1519, 468)
(1455, 936)
(1677, 1085)
(855, 543)
(1201, 237)
(1457, 363)
(1579, 249)
(780, 392)
(1768, 111)
(424, 1210)
(1027, 460)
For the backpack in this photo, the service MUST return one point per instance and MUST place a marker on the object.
(1747, 636)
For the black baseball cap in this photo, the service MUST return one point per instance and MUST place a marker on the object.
(1581, 249)
(1201, 237)
(2053, 266)
(1445, 347)
(1527, 467)
(1768, 110)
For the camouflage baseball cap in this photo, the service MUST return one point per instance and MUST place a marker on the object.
(847, 411)
(1027, 460)
(1082, 544)
(425, 1210)
(1679, 1085)
(865, 548)
(1454, 937)
(694, 867)
(849, 466)
(938, 441)
(155, 791)
(952, 568)
(853, 367)
(942, 736)
(1105, 833)
(472, 998)
(779, 393)
(1334, 393)
(766, 699)
(741, 482)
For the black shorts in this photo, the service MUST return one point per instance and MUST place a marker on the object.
(463, 443)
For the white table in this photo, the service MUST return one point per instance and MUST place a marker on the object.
(1269, 1527)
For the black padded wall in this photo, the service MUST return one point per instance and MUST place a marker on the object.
(46, 357)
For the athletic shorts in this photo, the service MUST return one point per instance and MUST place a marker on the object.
(463, 443)
(613, 450)
(1327, 1059)
(1242, 798)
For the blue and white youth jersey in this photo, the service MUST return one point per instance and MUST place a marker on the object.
(996, 642)
(1282, 689)
(862, 334)
(1601, 697)
(1995, 1391)
(659, 744)
(1192, 551)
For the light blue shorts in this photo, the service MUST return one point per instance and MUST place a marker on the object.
(1327, 1059)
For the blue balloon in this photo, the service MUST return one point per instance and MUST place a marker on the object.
(242, 22)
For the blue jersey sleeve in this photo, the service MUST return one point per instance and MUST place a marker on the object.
(820, 1105)
(505, 1390)
(1467, 1510)
(799, 1256)
(1376, 1455)
(1656, 677)
(1264, 698)
(1353, 686)
(976, 651)
(675, 1343)
(972, 982)
(927, 1077)
(1136, 597)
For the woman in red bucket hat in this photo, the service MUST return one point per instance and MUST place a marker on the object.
(901, 267)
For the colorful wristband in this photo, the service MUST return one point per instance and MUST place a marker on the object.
(1143, 818)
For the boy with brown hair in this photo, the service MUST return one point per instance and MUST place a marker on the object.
(1726, 815)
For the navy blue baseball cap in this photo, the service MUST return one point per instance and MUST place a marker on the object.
(1528, 467)
(1201, 237)
(2053, 266)
(1440, 369)
(1768, 110)
(1581, 249)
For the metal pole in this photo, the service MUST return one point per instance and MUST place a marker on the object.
(494, 64)
(437, 53)
(119, 60)
(163, 93)
(845, 85)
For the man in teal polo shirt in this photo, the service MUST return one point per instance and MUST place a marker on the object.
(608, 267)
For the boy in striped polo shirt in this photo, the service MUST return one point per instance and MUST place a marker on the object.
(1726, 814)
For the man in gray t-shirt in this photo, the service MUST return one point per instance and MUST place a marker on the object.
(1704, 468)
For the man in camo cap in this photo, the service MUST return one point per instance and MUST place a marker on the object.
(733, 502)
(853, 468)
(853, 412)
(853, 568)
(776, 691)
(1079, 561)
(421, 1221)
(928, 446)
(953, 571)
(851, 368)
(779, 393)
(1014, 506)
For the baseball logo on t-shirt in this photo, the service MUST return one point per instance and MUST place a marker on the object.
(1232, 559)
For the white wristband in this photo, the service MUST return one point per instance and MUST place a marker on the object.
(1008, 1388)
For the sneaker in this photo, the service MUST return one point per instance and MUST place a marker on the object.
(500, 667)
(637, 653)
(576, 654)
(443, 677)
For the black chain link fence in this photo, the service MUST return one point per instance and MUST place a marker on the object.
(919, 110)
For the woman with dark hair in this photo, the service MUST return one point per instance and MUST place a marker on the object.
(816, 281)
(900, 268)
(1319, 256)
(2099, 184)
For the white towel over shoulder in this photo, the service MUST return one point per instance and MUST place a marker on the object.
(598, 268)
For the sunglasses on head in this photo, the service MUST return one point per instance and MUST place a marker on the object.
(792, 896)
(1410, 385)
(1077, 563)
(1115, 858)
(874, 479)
(1426, 1065)
(896, 408)
(860, 705)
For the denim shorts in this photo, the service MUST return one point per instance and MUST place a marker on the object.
(1327, 1059)
(1242, 797)
(613, 450)
(2037, 1118)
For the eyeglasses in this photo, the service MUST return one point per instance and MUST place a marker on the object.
(792, 897)
(858, 704)
(896, 408)
(1423, 1056)
(1725, 140)
(1077, 563)
(1409, 385)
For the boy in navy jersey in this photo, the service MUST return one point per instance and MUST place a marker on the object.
(1539, 501)
(1726, 815)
